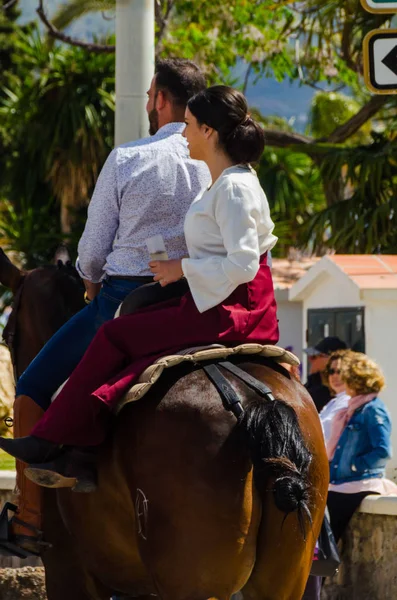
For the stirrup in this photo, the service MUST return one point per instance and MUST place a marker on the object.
(8, 547)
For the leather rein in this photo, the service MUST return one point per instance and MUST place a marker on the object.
(228, 394)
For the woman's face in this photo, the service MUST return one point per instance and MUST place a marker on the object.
(334, 380)
(196, 136)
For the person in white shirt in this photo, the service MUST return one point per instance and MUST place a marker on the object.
(230, 299)
(145, 188)
(338, 388)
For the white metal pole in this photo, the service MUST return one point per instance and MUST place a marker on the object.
(134, 67)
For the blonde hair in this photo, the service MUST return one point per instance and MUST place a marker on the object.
(343, 356)
(361, 374)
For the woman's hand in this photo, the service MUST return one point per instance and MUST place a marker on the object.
(166, 271)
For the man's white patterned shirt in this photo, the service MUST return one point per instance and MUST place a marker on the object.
(144, 189)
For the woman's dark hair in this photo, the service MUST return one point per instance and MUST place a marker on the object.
(226, 110)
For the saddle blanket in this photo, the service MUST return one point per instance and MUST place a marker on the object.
(215, 352)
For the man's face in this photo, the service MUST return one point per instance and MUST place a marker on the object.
(318, 363)
(151, 108)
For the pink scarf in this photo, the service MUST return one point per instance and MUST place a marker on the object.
(342, 418)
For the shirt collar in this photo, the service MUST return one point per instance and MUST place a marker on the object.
(169, 129)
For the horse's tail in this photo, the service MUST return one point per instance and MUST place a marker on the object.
(278, 451)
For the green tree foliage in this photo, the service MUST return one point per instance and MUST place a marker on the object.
(74, 9)
(364, 220)
(7, 38)
(58, 112)
(216, 35)
(324, 187)
(331, 109)
(293, 187)
(7, 30)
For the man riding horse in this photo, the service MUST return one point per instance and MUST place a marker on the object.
(145, 188)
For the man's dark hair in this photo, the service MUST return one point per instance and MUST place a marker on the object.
(181, 78)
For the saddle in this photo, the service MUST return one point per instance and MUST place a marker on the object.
(208, 354)
(149, 294)
(153, 293)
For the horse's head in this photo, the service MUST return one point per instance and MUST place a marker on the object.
(10, 275)
(44, 299)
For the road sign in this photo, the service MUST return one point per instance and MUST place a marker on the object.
(380, 6)
(380, 61)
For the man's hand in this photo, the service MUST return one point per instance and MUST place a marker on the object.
(166, 271)
(92, 289)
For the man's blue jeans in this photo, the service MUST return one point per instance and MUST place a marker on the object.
(62, 353)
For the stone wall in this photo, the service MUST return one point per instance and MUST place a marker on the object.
(369, 555)
(20, 579)
(26, 583)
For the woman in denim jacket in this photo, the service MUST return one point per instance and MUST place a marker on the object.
(358, 444)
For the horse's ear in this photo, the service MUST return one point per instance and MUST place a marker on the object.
(62, 255)
(10, 275)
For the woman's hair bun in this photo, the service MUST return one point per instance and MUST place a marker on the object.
(225, 110)
(247, 120)
(245, 143)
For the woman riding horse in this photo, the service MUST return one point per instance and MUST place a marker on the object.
(230, 299)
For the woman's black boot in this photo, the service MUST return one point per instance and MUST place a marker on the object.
(31, 449)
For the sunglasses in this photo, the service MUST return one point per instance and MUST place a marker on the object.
(333, 371)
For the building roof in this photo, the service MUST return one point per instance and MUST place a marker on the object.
(372, 271)
(370, 274)
(286, 272)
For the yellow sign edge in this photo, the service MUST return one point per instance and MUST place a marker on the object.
(367, 76)
(377, 11)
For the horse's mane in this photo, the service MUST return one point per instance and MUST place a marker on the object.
(272, 433)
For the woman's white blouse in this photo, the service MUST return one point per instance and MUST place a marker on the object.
(329, 412)
(227, 229)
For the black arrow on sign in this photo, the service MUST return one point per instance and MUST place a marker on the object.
(390, 60)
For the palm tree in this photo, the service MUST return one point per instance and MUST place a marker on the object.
(293, 187)
(328, 110)
(74, 9)
(364, 221)
(59, 113)
(359, 203)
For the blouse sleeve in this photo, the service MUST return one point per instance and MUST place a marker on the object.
(212, 279)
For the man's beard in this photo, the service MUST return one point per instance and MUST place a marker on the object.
(153, 121)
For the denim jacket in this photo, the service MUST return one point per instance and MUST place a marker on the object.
(364, 446)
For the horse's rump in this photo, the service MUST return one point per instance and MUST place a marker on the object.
(189, 474)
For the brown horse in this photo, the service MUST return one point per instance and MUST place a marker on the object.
(191, 505)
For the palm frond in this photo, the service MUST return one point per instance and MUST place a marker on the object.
(363, 220)
(60, 116)
(74, 9)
